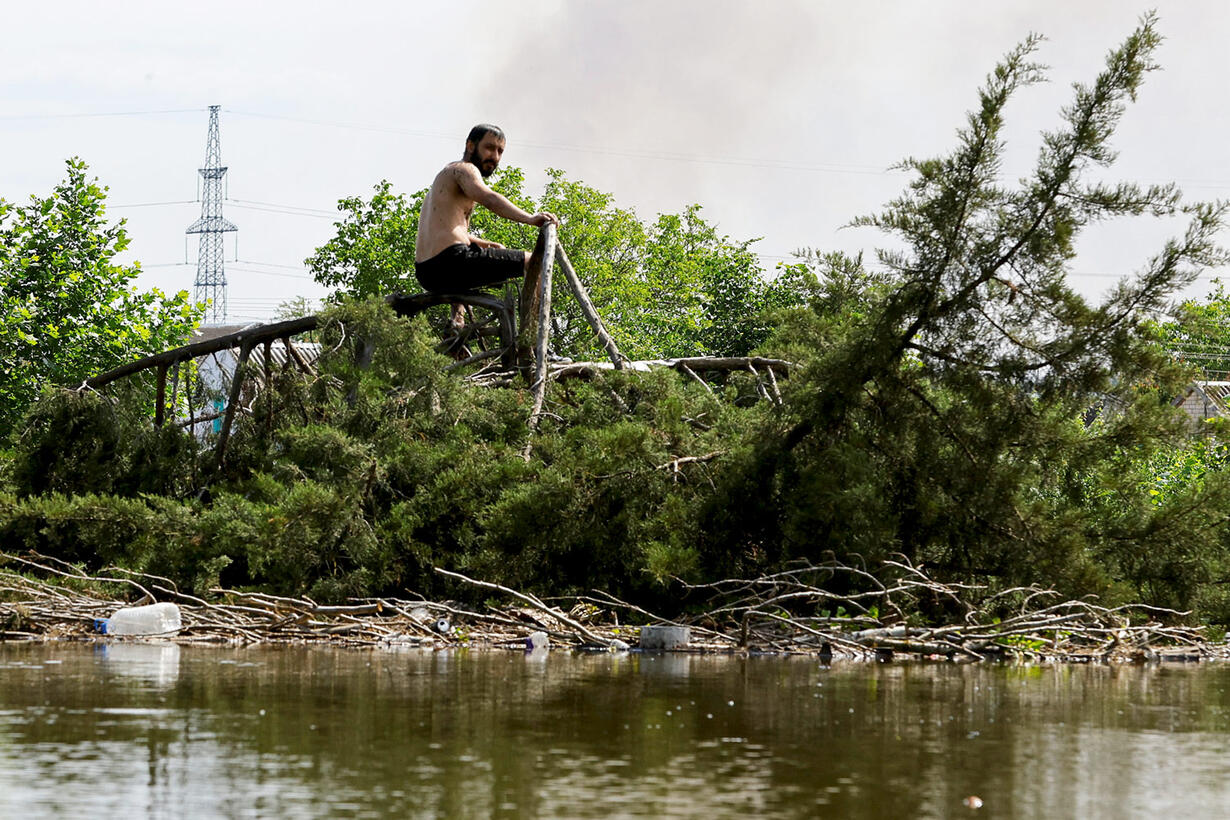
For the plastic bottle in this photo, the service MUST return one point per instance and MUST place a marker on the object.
(537, 641)
(154, 619)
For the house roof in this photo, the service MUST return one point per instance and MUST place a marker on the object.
(1206, 399)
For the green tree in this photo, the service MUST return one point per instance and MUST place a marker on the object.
(1199, 333)
(372, 253)
(67, 310)
(295, 308)
(672, 288)
(945, 422)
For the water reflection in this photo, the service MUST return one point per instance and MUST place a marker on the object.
(310, 732)
(157, 663)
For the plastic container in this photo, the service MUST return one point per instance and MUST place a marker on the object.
(154, 619)
(665, 638)
(537, 641)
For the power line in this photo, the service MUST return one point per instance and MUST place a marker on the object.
(269, 264)
(346, 125)
(244, 262)
(667, 156)
(642, 154)
(286, 211)
(153, 204)
(664, 156)
(246, 204)
(12, 117)
(300, 276)
(319, 211)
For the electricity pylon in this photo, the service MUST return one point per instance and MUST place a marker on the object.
(210, 285)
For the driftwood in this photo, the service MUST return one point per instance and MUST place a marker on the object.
(789, 612)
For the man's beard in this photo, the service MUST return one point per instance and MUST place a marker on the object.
(485, 170)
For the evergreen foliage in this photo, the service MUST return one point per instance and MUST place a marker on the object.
(943, 411)
(945, 424)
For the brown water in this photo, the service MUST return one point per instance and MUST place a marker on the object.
(160, 731)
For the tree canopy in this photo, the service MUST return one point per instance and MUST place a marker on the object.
(947, 423)
(671, 287)
(1199, 333)
(67, 309)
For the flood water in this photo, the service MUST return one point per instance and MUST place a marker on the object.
(140, 730)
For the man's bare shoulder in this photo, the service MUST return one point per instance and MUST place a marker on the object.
(459, 170)
(456, 177)
(466, 178)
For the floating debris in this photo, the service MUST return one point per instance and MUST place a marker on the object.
(42, 598)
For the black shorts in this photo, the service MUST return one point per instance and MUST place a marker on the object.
(466, 267)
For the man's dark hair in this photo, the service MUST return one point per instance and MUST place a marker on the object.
(483, 129)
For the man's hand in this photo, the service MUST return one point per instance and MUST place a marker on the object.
(542, 219)
(484, 243)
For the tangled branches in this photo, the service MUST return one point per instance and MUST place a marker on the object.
(785, 612)
(796, 610)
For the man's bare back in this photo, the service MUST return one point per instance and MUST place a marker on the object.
(445, 217)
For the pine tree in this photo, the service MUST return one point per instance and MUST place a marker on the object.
(948, 422)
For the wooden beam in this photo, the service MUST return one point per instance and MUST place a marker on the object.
(249, 335)
(532, 295)
(587, 307)
(292, 354)
(160, 402)
(232, 402)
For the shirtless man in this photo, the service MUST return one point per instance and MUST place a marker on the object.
(447, 258)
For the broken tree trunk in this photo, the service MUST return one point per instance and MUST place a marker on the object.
(541, 327)
(534, 294)
(160, 402)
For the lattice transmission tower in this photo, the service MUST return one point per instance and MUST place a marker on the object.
(210, 285)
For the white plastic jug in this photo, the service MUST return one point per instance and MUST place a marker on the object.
(153, 619)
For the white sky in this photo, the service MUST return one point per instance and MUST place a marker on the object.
(780, 118)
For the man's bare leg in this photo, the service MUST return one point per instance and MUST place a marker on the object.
(456, 328)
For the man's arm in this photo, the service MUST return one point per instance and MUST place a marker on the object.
(471, 184)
